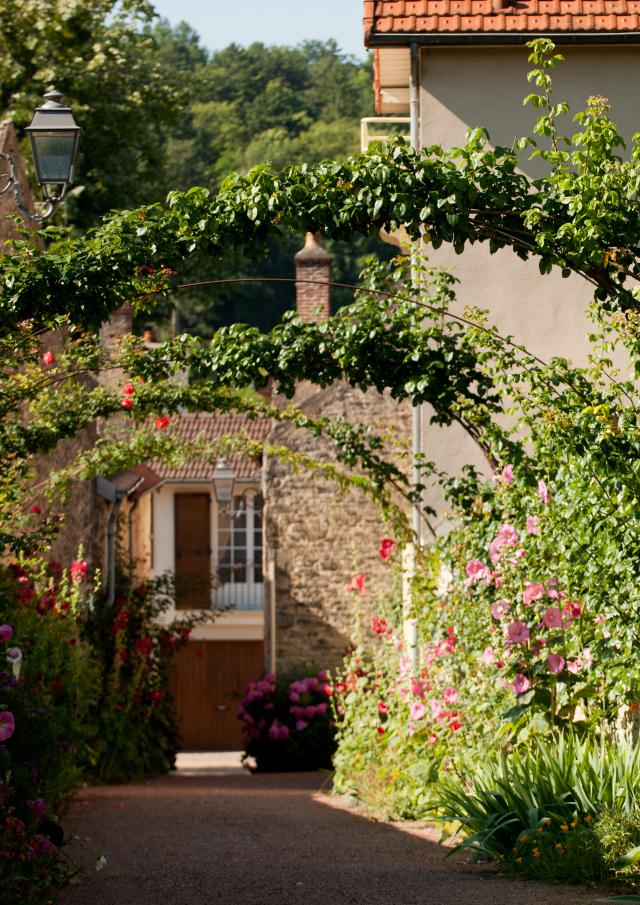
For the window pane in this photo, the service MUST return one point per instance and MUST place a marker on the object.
(240, 538)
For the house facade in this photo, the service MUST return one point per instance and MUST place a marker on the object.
(456, 64)
(274, 555)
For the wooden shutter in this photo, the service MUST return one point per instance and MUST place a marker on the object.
(193, 551)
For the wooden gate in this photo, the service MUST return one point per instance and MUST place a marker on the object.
(209, 680)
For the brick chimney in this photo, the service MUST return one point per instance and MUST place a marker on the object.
(313, 301)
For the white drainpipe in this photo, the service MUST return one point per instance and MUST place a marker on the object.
(409, 627)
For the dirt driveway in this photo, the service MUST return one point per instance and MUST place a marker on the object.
(203, 836)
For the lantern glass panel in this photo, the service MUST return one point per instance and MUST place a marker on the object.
(53, 154)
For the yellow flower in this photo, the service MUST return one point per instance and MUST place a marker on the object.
(559, 846)
(518, 860)
(522, 838)
(536, 852)
(588, 818)
(564, 828)
(574, 824)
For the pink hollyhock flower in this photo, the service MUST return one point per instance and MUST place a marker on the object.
(417, 710)
(162, 421)
(48, 358)
(78, 570)
(521, 684)
(433, 739)
(417, 689)
(7, 725)
(383, 707)
(126, 402)
(489, 656)
(533, 590)
(553, 617)
(437, 710)
(533, 524)
(379, 626)
(454, 725)
(450, 695)
(575, 666)
(600, 619)
(509, 535)
(518, 632)
(301, 725)
(386, 547)
(555, 663)
(477, 571)
(357, 584)
(572, 608)
(506, 475)
(500, 608)
(6, 632)
(543, 493)
(37, 509)
(128, 389)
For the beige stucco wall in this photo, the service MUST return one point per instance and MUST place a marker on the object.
(465, 87)
(316, 539)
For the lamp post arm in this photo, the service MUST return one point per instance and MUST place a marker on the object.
(13, 182)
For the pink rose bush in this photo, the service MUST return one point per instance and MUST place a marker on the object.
(287, 723)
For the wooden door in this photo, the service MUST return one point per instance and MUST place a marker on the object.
(193, 551)
(209, 679)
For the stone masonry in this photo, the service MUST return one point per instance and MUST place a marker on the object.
(316, 538)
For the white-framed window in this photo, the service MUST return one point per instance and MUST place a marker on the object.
(239, 580)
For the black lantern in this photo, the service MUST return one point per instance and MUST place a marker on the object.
(54, 138)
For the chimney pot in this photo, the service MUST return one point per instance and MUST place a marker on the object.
(313, 270)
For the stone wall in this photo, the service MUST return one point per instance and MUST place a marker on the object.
(316, 539)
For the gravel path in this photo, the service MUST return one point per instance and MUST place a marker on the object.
(204, 836)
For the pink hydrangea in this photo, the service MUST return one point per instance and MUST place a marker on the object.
(533, 590)
(500, 608)
(553, 617)
(555, 663)
(278, 732)
(301, 725)
(533, 524)
(450, 695)
(518, 631)
(521, 684)
(417, 710)
(543, 493)
(7, 725)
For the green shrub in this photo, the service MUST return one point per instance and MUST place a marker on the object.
(48, 687)
(135, 733)
(547, 811)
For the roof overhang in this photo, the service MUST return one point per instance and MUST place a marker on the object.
(484, 38)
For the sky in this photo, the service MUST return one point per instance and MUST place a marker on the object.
(223, 22)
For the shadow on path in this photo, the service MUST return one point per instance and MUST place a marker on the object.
(242, 839)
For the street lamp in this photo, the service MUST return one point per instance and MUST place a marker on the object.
(224, 479)
(54, 136)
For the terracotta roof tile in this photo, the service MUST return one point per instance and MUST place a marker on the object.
(210, 427)
(414, 17)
